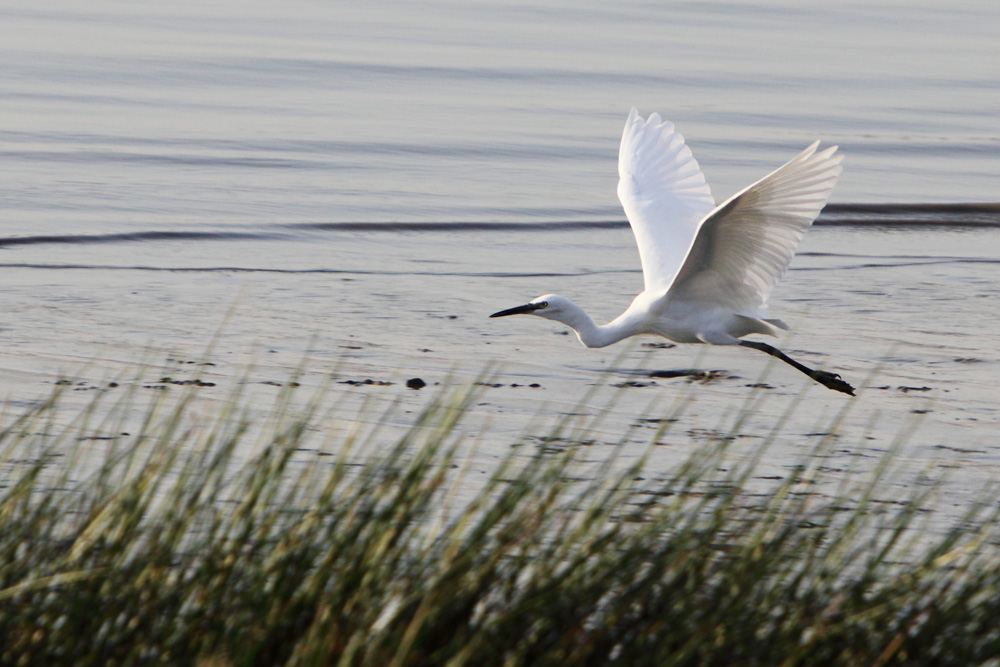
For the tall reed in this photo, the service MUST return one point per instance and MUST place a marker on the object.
(174, 547)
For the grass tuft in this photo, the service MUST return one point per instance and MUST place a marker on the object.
(199, 537)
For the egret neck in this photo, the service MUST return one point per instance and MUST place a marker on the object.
(561, 309)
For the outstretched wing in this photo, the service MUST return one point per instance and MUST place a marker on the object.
(745, 245)
(664, 195)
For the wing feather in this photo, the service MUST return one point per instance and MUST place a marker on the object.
(743, 247)
(664, 195)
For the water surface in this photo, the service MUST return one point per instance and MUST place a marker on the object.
(367, 183)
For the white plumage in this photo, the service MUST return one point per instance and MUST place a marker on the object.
(707, 270)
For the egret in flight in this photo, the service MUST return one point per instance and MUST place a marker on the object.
(708, 270)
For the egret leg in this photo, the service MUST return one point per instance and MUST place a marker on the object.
(829, 380)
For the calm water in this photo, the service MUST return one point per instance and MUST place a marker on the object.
(161, 164)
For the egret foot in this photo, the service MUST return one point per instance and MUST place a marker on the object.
(828, 380)
(832, 381)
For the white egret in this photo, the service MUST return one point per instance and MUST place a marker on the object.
(708, 270)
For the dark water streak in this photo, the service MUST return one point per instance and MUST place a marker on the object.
(912, 215)
(358, 272)
(922, 216)
(128, 237)
(887, 263)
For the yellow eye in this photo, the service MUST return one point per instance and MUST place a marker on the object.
(543, 304)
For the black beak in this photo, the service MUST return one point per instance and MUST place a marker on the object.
(519, 310)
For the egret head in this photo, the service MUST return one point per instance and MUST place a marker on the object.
(561, 309)
(549, 306)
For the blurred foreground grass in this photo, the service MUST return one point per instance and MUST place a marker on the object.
(175, 546)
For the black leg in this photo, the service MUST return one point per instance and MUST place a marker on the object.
(829, 380)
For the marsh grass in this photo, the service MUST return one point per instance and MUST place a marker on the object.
(173, 546)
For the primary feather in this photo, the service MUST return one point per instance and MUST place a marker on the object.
(743, 247)
(664, 195)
